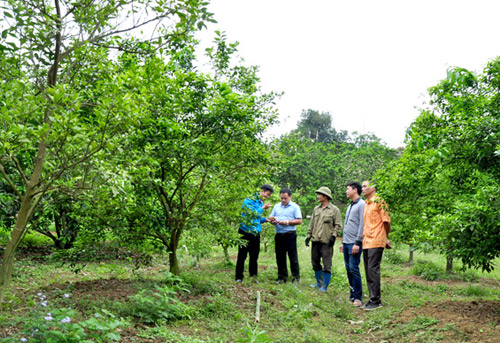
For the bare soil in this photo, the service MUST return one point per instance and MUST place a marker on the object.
(472, 321)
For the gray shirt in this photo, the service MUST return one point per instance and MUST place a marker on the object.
(354, 223)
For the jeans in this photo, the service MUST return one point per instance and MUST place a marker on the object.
(252, 248)
(372, 258)
(286, 243)
(353, 275)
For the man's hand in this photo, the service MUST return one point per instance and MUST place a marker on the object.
(308, 239)
(341, 248)
(272, 220)
(355, 249)
(331, 242)
(266, 206)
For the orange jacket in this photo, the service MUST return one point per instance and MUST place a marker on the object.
(376, 213)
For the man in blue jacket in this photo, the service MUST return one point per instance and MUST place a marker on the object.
(250, 228)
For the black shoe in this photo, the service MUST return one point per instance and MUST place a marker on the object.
(372, 306)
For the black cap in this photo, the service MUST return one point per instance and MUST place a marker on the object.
(267, 188)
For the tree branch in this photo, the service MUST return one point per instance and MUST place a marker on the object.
(203, 183)
(12, 185)
(18, 167)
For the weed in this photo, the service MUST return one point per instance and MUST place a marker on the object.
(201, 284)
(214, 307)
(253, 335)
(152, 334)
(48, 324)
(427, 270)
(423, 321)
(159, 305)
(395, 257)
(442, 288)
(473, 291)
(299, 312)
(468, 276)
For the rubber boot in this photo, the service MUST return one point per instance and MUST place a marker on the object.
(319, 279)
(326, 281)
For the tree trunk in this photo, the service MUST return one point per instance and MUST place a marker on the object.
(16, 237)
(226, 253)
(173, 262)
(449, 264)
(410, 259)
(24, 214)
(25, 211)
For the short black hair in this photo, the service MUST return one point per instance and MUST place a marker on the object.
(287, 191)
(267, 187)
(355, 185)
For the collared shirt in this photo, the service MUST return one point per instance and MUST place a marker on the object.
(252, 215)
(325, 222)
(376, 214)
(354, 223)
(288, 212)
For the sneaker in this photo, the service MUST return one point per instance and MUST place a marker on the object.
(239, 280)
(296, 281)
(357, 303)
(254, 279)
(279, 281)
(371, 306)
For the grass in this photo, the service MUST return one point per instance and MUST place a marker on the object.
(421, 302)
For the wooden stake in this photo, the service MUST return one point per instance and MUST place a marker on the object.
(257, 310)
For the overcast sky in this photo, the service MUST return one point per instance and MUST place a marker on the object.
(368, 63)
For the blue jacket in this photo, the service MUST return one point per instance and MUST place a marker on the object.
(252, 215)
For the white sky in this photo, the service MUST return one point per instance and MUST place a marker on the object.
(368, 63)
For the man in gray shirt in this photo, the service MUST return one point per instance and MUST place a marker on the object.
(352, 241)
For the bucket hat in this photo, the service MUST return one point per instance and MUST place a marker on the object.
(325, 191)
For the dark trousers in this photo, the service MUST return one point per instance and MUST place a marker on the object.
(252, 248)
(372, 258)
(286, 243)
(321, 251)
(353, 275)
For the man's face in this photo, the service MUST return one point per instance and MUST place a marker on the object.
(285, 198)
(265, 194)
(365, 187)
(321, 197)
(350, 192)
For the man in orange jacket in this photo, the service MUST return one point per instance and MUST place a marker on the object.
(376, 230)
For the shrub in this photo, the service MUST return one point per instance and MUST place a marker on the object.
(35, 239)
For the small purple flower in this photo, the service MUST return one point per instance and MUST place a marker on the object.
(66, 295)
(66, 320)
(24, 339)
(48, 317)
(44, 303)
